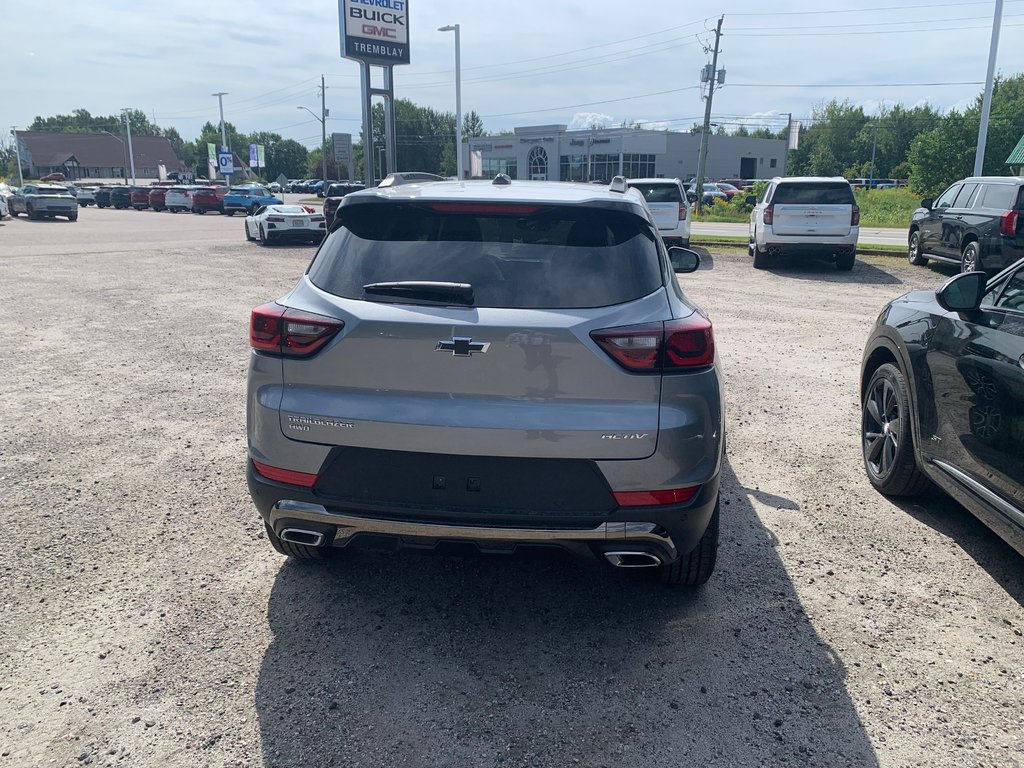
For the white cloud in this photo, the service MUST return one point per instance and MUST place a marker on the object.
(582, 120)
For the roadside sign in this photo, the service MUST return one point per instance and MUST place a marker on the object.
(225, 163)
(375, 32)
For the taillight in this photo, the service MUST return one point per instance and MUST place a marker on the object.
(651, 498)
(1008, 223)
(282, 331)
(769, 214)
(674, 345)
(290, 476)
(855, 216)
(682, 211)
(276, 219)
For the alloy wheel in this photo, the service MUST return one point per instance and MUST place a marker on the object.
(882, 425)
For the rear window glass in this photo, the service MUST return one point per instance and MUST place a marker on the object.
(660, 193)
(1000, 196)
(538, 257)
(817, 193)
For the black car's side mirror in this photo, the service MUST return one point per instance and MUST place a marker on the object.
(927, 203)
(963, 292)
(750, 200)
(683, 260)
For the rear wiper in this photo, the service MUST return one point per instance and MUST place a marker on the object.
(461, 293)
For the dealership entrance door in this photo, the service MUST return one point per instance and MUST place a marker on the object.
(748, 167)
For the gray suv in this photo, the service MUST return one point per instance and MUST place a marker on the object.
(497, 365)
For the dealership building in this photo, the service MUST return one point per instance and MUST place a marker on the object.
(554, 153)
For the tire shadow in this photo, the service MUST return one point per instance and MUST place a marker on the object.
(434, 660)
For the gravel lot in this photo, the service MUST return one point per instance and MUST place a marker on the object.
(145, 621)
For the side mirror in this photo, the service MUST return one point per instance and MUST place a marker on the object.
(750, 200)
(927, 203)
(963, 292)
(683, 260)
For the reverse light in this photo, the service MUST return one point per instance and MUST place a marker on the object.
(1008, 223)
(666, 347)
(290, 476)
(653, 498)
(278, 330)
(769, 214)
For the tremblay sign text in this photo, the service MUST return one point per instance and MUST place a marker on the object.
(375, 31)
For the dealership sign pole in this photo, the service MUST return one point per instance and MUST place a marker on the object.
(375, 33)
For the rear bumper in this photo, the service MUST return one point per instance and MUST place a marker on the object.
(666, 532)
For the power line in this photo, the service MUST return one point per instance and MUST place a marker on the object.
(924, 6)
(872, 32)
(593, 103)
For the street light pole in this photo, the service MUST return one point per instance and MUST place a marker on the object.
(986, 100)
(124, 153)
(323, 128)
(128, 133)
(323, 147)
(458, 98)
(17, 154)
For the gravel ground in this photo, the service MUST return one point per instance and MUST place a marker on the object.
(145, 621)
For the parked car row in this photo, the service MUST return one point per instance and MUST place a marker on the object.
(181, 198)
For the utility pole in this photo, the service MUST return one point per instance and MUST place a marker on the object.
(17, 154)
(702, 161)
(128, 134)
(874, 143)
(323, 127)
(223, 129)
(789, 141)
(986, 102)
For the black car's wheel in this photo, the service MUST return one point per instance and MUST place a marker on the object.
(14, 213)
(845, 261)
(299, 551)
(230, 213)
(72, 217)
(970, 260)
(914, 250)
(696, 567)
(886, 435)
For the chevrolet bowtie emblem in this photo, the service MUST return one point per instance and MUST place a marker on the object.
(460, 346)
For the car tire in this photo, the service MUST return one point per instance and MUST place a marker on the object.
(230, 213)
(914, 250)
(685, 243)
(30, 211)
(248, 237)
(970, 259)
(14, 213)
(298, 551)
(264, 240)
(760, 258)
(889, 451)
(845, 261)
(73, 217)
(695, 567)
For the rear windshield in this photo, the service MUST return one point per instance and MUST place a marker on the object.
(660, 193)
(815, 193)
(534, 257)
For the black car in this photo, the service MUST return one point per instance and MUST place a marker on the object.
(121, 197)
(103, 197)
(977, 223)
(942, 393)
(333, 198)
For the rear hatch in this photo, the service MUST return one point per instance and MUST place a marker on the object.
(55, 200)
(507, 367)
(814, 209)
(664, 200)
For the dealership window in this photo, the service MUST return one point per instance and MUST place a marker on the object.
(538, 162)
(604, 167)
(638, 166)
(571, 167)
(492, 166)
(774, 162)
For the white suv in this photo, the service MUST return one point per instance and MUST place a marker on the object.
(806, 215)
(667, 200)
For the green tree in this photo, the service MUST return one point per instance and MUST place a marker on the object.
(832, 142)
(472, 126)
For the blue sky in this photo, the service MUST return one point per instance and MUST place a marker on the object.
(574, 62)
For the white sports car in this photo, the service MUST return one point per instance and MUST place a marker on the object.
(279, 223)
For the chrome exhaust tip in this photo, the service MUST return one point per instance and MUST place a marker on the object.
(632, 559)
(302, 536)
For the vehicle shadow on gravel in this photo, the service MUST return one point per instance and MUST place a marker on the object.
(941, 513)
(707, 259)
(433, 660)
(825, 271)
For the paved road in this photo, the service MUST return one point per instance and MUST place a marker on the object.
(145, 620)
(868, 235)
